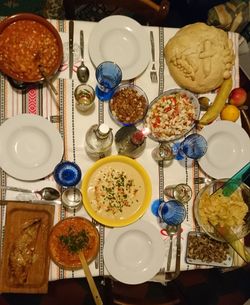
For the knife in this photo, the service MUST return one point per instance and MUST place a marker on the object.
(31, 201)
(71, 45)
(178, 253)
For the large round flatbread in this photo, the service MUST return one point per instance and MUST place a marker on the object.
(199, 57)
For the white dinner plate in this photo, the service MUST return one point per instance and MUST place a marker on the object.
(30, 147)
(122, 40)
(228, 149)
(135, 253)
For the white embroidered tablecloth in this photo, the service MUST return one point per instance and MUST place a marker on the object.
(73, 125)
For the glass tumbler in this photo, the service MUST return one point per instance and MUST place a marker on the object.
(108, 75)
(194, 146)
(163, 152)
(85, 97)
(181, 192)
(172, 212)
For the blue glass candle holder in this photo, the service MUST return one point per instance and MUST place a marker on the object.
(67, 174)
(172, 212)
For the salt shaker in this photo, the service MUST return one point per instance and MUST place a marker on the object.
(98, 141)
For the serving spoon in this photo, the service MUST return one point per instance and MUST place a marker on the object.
(47, 193)
(171, 230)
(47, 80)
(82, 71)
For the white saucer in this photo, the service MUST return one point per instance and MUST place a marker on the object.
(135, 253)
(30, 147)
(228, 149)
(122, 40)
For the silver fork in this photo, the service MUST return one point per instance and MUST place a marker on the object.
(153, 73)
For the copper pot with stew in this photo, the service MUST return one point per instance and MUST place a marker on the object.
(29, 47)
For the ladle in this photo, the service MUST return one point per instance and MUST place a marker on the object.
(47, 193)
(82, 70)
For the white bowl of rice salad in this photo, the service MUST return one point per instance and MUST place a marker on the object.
(172, 114)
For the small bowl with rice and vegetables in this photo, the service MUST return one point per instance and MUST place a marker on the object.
(171, 115)
(128, 105)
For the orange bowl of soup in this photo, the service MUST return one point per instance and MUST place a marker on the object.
(29, 44)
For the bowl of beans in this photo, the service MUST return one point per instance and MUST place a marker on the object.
(172, 114)
(30, 47)
(128, 105)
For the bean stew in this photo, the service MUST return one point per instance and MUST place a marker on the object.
(25, 47)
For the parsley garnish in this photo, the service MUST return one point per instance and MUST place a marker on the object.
(74, 241)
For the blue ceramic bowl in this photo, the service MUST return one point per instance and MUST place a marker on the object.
(67, 174)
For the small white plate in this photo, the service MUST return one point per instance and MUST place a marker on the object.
(135, 253)
(228, 149)
(122, 40)
(30, 147)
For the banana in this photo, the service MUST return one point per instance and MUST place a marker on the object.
(220, 100)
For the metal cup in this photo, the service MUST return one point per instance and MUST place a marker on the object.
(72, 198)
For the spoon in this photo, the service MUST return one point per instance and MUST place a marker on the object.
(47, 80)
(171, 230)
(82, 70)
(47, 193)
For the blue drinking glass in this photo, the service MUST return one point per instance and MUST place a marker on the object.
(172, 212)
(67, 174)
(108, 75)
(194, 146)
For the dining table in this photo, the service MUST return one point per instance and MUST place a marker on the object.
(72, 125)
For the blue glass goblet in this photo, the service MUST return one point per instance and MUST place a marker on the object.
(194, 147)
(172, 212)
(108, 76)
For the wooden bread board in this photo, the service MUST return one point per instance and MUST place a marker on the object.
(19, 213)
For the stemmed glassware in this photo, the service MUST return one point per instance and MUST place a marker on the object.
(108, 75)
(193, 146)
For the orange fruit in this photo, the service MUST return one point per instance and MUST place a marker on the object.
(230, 113)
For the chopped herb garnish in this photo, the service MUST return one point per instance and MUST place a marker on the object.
(75, 241)
(115, 190)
